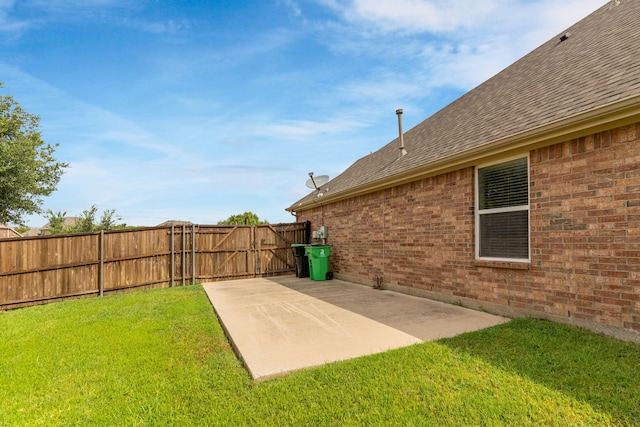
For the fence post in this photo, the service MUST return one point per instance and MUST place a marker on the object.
(184, 253)
(173, 255)
(257, 254)
(193, 254)
(101, 268)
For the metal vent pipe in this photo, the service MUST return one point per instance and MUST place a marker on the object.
(402, 150)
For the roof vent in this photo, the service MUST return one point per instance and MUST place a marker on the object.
(564, 37)
(403, 152)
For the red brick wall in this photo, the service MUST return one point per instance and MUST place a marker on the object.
(585, 236)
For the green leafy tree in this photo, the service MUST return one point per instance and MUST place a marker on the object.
(85, 222)
(247, 218)
(110, 221)
(28, 169)
(57, 222)
(22, 229)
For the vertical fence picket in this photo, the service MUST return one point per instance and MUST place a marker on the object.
(256, 253)
(193, 254)
(101, 268)
(172, 268)
(184, 253)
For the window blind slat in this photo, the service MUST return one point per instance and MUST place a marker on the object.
(505, 235)
(503, 185)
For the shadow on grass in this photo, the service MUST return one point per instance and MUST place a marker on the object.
(591, 368)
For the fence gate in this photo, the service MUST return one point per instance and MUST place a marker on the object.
(225, 252)
(273, 250)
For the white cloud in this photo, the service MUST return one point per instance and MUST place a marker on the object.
(449, 16)
(416, 15)
(66, 6)
(9, 25)
(422, 45)
(294, 7)
(157, 27)
(62, 114)
(103, 12)
(306, 130)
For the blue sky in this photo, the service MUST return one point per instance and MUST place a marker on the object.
(197, 110)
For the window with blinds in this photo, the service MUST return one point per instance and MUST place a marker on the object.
(502, 216)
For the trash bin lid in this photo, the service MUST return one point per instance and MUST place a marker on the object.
(318, 250)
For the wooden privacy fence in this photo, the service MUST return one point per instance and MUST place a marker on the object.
(41, 269)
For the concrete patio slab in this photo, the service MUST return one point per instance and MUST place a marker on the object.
(283, 324)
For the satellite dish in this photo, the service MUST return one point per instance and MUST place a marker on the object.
(317, 182)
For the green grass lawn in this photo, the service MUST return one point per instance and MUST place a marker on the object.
(160, 357)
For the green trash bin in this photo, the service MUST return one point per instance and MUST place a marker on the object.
(318, 261)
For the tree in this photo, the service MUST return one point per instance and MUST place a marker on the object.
(85, 222)
(56, 222)
(109, 220)
(247, 218)
(28, 169)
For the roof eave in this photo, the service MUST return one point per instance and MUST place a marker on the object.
(596, 120)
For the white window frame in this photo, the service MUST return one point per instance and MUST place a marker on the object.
(479, 213)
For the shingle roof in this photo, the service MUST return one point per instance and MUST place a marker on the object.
(596, 66)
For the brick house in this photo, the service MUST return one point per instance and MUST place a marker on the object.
(521, 198)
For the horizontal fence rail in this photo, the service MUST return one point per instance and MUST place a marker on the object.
(36, 270)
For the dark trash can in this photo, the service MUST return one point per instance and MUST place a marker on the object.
(302, 260)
